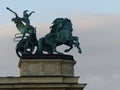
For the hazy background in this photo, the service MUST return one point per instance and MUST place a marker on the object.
(96, 22)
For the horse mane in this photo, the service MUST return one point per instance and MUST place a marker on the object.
(55, 25)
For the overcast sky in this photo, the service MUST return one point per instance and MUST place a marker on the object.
(96, 22)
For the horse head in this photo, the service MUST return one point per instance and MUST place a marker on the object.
(61, 24)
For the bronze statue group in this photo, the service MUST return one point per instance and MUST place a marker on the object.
(60, 33)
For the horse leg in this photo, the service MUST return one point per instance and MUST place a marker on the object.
(50, 51)
(54, 49)
(79, 49)
(40, 46)
(71, 46)
(76, 44)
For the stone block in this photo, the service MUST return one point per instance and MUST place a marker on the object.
(46, 67)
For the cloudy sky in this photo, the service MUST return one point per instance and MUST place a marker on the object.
(96, 22)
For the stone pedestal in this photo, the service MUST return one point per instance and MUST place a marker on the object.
(46, 67)
(48, 72)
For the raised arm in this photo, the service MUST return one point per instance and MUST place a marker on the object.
(30, 13)
(12, 11)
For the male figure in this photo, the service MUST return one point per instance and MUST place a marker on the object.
(25, 18)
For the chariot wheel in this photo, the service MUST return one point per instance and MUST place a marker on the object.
(24, 47)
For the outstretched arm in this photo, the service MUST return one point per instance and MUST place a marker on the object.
(12, 11)
(30, 13)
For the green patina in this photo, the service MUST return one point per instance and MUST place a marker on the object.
(60, 33)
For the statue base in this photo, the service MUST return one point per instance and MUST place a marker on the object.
(54, 72)
(47, 65)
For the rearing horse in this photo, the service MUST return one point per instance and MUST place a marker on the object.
(61, 33)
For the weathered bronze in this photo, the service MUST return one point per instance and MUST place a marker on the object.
(27, 36)
(60, 33)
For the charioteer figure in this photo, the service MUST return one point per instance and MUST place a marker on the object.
(27, 40)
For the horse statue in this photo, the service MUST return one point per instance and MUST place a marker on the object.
(27, 34)
(61, 33)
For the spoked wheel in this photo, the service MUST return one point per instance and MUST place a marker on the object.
(24, 47)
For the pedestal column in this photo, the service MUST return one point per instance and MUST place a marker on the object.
(47, 72)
